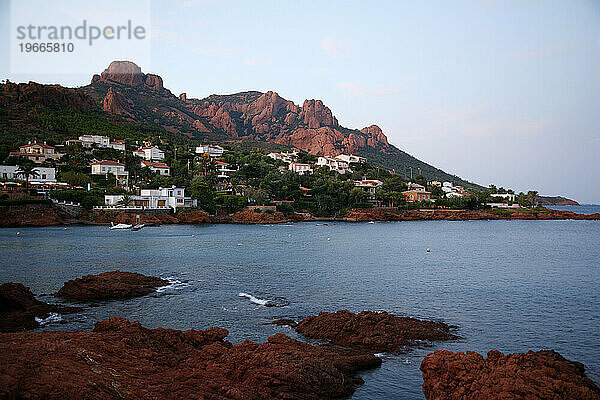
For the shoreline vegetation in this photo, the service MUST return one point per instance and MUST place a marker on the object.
(40, 214)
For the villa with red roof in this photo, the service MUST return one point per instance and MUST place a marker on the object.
(157, 167)
(106, 167)
(150, 153)
(37, 152)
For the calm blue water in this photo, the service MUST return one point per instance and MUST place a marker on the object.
(509, 285)
(581, 209)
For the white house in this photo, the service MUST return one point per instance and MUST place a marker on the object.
(370, 185)
(157, 167)
(334, 164)
(106, 167)
(100, 141)
(506, 196)
(286, 157)
(150, 153)
(212, 150)
(44, 175)
(161, 198)
(350, 158)
(415, 186)
(300, 168)
(223, 170)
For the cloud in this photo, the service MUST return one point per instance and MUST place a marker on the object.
(359, 90)
(333, 47)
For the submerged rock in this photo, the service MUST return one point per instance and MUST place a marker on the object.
(534, 375)
(122, 359)
(19, 308)
(114, 285)
(376, 331)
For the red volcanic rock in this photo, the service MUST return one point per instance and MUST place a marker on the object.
(124, 72)
(315, 114)
(23, 94)
(154, 82)
(114, 285)
(534, 375)
(121, 359)
(376, 136)
(115, 103)
(193, 217)
(19, 308)
(253, 217)
(183, 97)
(30, 215)
(375, 331)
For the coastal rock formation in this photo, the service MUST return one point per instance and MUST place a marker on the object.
(534, 375)
(19, 308)
(22, 95)
(30, 215)
(193, 217)
(122, 359)
(114, 285)
(394, 214)
(253, 217)
(375, 331)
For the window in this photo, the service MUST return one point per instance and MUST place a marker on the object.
(180, 200)
(43, 176)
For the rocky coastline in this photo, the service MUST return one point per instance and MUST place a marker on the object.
(122, 359)
(40, 215)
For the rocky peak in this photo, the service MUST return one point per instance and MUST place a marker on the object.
(183, 97)
(130, 74)
(315, 114)
(376, 136)
(115, 103)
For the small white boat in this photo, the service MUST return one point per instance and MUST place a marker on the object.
(120, 226)
(137, 227)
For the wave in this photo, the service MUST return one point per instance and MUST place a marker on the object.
(53, 317)
(274, 302)
(174, 284)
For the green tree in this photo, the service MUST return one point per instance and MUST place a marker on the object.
(26, 170)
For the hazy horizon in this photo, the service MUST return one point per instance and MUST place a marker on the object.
(496, 92)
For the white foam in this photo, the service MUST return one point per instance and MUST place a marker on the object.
(254, 300)
(174, 284)
(53, 317)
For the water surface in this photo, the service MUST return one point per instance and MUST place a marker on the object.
(509, 285)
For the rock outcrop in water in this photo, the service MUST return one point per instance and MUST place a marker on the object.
(534, 375)
(375, 331)
(19, 308)
(122, 359)
(114, 285)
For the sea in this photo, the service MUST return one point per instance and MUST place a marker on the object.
(512, 286)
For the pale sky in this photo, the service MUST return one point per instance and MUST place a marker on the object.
(502, 92)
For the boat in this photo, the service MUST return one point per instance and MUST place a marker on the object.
(120, 226)
(137, 227)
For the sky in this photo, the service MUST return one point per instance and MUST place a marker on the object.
(496, 91)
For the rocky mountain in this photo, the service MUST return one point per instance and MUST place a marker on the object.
(123, 92)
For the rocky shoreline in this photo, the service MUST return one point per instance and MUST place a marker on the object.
(123, 359)
(49, 215)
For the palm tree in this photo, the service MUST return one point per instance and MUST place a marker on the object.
(125, 201)
(26, 170)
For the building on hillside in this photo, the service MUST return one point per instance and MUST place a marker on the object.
(286, 157)
(370, 185)
(44, 175)
(106, 167)
(89, 141)
(415, 186)
(334, 164)
(416, 195)
(37, 152)
(435, 183)
(300, 168)
(511, 197)
(150, 153)
(350, 158)
(223, 170)
(452, 195)
(212, 150)
(156, 167)
(156, 199)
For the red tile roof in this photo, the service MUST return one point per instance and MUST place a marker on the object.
(153, 164)
(107, 162)
(37, 144)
